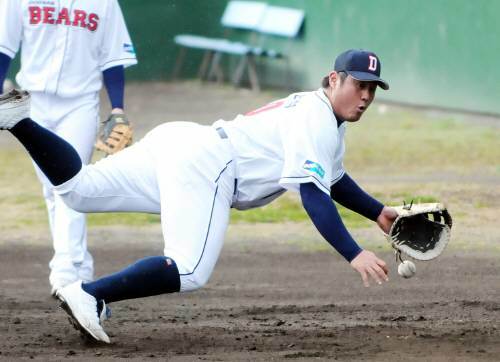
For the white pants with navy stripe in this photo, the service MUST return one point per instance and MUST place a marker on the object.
(181, 170)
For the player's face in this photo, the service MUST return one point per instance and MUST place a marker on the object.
(352, 97)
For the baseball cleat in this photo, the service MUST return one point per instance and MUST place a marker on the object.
(82, 310)
(14, 107)
(103, 310)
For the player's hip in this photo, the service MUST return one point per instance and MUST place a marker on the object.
(189, 150)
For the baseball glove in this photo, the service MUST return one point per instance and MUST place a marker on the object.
(115, 135)
(421, 231)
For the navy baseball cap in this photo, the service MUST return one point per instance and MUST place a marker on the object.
(361, 65)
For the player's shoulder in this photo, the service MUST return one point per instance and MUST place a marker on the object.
(317, 105)
(315, 99)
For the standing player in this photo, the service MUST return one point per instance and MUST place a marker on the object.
(194, 174)
(68, 48)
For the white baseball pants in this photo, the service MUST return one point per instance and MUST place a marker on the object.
(75, 120)
(181, 170)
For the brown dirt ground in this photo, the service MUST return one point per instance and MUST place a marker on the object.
(269, 299)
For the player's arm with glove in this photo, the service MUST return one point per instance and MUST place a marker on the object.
(421, 231)
(347, 193)
(116, 131)
(323, 213)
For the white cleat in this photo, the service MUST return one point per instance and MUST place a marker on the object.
(104, 313)
(81, 308)
(14, 107)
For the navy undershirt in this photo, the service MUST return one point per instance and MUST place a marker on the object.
(114, 81)
(4, 67)
(348, 194)
(323, 213)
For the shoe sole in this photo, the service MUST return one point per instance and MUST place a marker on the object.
(13, 107)
(85, 333)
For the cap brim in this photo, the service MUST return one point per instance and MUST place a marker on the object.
(369, 77)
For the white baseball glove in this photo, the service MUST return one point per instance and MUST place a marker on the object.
(421, 231)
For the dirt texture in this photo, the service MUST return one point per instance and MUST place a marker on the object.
(268, 299)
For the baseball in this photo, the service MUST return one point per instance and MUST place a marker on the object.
(407, 269)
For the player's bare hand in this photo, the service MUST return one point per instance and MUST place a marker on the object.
(370, 266)
(386, 219)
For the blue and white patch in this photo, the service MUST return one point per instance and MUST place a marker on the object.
(129, 48)
(314, 167)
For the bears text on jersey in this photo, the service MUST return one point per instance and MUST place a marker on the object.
(49, 15)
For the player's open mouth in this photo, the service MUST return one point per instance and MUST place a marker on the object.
(361, 108)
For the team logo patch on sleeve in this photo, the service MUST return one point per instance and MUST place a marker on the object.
(314, 167)
(129, 48)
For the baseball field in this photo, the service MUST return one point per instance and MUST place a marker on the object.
(279, 291)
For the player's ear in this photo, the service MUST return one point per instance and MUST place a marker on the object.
(333, 78)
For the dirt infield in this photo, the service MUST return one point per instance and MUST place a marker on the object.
(274, 294)
(266, 301)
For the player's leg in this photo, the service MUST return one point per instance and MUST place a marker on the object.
(196, 194)
(194, 223)
(14, 116)
(79, 128)
(74, 120)
(124, 182)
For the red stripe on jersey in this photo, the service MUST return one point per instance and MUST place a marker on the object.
(267, 107)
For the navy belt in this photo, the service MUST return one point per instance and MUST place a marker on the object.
(222, 133)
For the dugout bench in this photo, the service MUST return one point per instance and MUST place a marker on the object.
(261, 21)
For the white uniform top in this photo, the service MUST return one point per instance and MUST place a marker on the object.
(66, 44)
(288, 142)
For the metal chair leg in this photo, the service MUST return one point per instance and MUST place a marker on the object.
(252, 74)
(207, 58)
(178, 63)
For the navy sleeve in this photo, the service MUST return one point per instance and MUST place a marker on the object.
(114, 81)
(4, 67)
(326, 218)
(347, 193)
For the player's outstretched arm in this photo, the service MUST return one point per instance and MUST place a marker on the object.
(348, 193)
(326, 218)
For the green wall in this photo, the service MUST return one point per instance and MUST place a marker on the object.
(153, 24)
(434, 52)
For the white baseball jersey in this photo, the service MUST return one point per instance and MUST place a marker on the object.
(283, 144)
(66, 43)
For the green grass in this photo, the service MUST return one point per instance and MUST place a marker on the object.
(408, 142)
(288, 208)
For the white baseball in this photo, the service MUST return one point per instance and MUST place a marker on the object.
(407, 269)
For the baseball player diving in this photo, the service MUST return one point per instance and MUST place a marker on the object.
(69, 48)
(192, 175)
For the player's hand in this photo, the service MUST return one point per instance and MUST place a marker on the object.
(370, 266)
(386, 219)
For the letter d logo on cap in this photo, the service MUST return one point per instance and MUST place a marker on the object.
(373, 63)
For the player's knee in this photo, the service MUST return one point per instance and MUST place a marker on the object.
(193, 281)
(74, 201)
